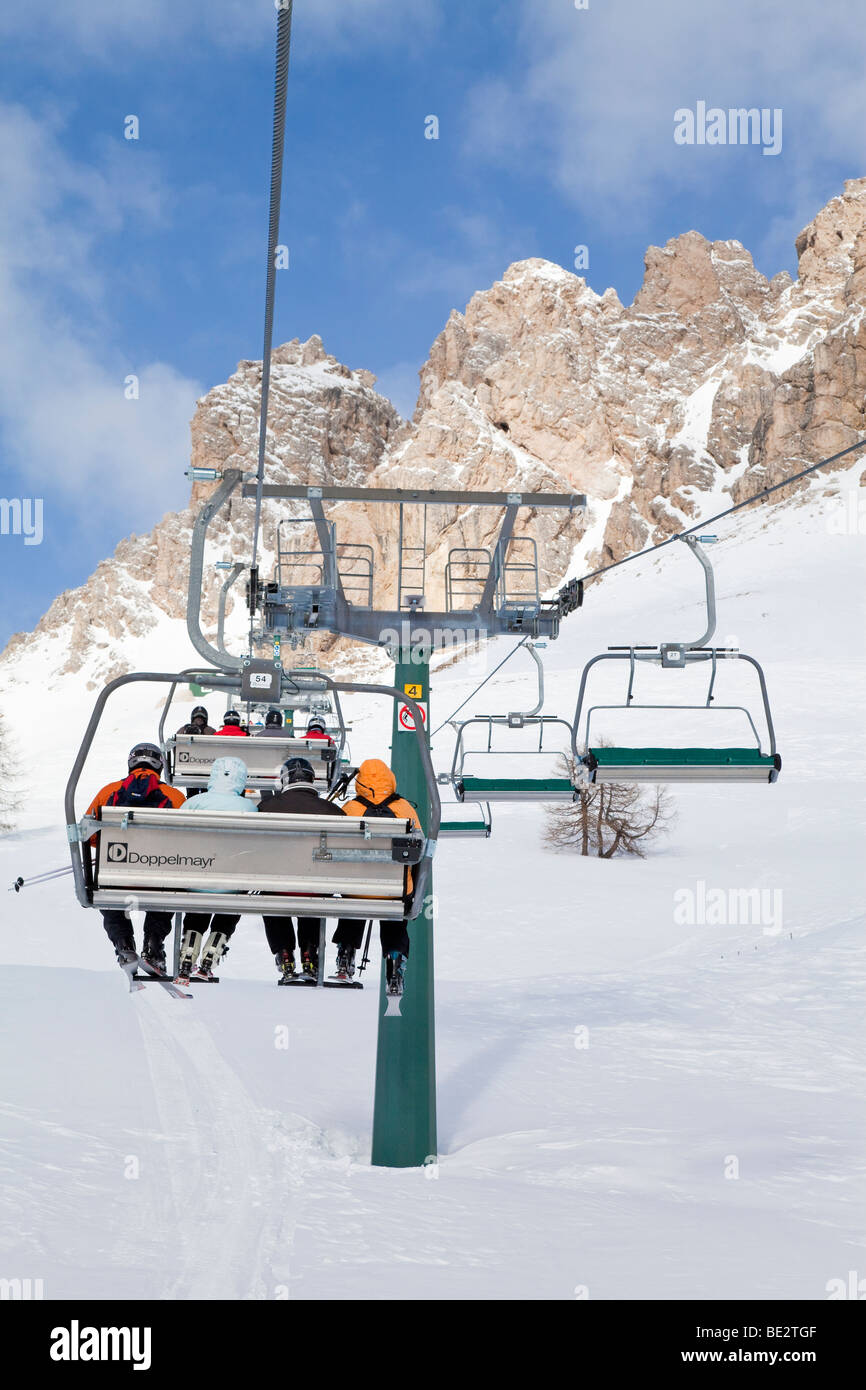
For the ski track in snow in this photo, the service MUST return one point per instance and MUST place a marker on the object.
(219, 1174)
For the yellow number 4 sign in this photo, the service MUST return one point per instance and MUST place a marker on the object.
(413, 691)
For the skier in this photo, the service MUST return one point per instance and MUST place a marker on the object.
(142, 787)
(198, 722)
(273, 725)
(225, 792)
(297, 797)
(232, 725)
(376, 795)
(316, 729)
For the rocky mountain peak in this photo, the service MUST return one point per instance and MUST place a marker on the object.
(712, 383)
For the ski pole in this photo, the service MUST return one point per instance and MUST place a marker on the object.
(365, 955)
(39, 878)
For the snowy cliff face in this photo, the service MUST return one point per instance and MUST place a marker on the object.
(712, 383)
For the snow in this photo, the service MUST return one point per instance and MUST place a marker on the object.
(601, 1064)
(697, 416)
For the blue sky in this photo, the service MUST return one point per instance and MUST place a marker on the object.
(147, 257)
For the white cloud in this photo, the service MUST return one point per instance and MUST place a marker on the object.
(596, 91)
(100, 29)
(68, 429)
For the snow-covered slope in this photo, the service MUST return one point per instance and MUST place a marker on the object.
(629, 1104)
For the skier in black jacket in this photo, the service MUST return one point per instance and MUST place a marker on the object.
(198, 723)
(273, 725)
(298, 796)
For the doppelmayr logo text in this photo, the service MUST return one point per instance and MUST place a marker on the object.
(77, 1343)
(119, 853)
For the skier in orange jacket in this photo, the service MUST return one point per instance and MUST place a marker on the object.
(376, 795)
(141, 787)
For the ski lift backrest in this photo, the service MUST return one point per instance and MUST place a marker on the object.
(194, 755)
(149, 853)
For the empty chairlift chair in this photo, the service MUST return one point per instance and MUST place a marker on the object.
(552, 785)
(469, 820)
(752, 762)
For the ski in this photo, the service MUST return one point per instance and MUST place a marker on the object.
(342, 982)
(128, 967)
(394, 964)
(159, 976)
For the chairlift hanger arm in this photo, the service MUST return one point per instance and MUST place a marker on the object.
(235, 571)
(695, 545)
(506, 531)
(327, 544)
(208, 511)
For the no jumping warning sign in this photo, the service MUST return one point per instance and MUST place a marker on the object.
(405, 719)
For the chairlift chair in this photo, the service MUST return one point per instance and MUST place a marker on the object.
(598, 763)
(189, 757)
(184, 859)
(476, 824)
(472, 787)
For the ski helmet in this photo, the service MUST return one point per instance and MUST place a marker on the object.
(316, 722)
(296, 770)
(273, 719)
(198, 713)
(145, 755)
(231, 716)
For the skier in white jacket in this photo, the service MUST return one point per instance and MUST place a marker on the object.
(225, 792)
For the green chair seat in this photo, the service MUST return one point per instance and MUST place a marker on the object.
(682, 757)
(516, 789)
(464, 827)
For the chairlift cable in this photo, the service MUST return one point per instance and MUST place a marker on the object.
(515, 648)
(738, 506)
(284, 39)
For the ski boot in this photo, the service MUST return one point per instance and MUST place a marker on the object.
(154, 953)
(395, 964)
(123, 942)
(214, 951)
(285, 962)
(189, 949)
(345, 963)
(310, 966)
(124, 950)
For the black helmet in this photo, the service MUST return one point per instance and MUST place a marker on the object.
(273, 719)
(145, 755)
(231, 716)
(296, 770)
(199, 713)
(316, 722)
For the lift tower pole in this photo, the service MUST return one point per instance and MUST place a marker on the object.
(404, 1109)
